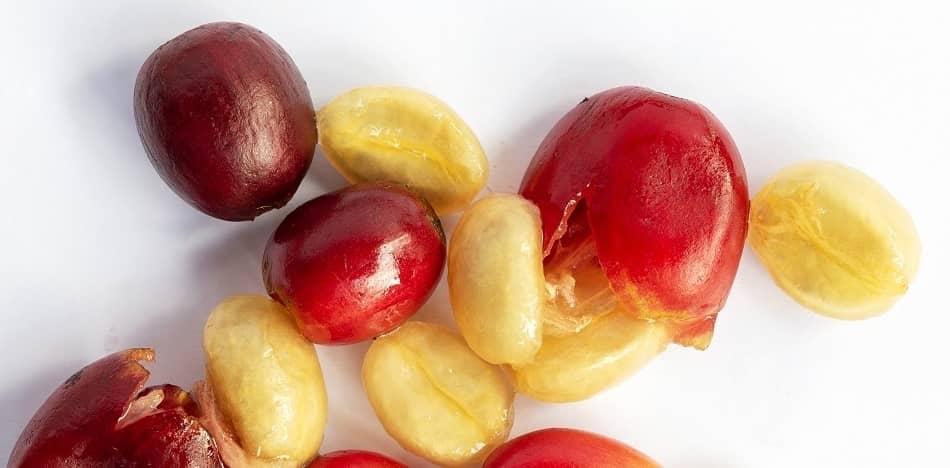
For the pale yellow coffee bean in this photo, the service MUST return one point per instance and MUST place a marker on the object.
(266, 379)
(577, 366)
(435, 396)
(834, 239)
(496, 278)
(407, 136)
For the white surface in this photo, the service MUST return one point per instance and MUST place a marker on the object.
(98, 255)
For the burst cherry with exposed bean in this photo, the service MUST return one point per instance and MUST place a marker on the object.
(104, 416)
(644, 204)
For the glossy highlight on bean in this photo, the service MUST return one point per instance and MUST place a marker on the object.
(834, 239)
(226, 120)
(265, 381)
(575, 367)
(436, 397)
(496, 279)
(355, 263)
(406, 136)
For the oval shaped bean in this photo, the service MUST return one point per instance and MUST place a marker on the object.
(834, 239)
(578, 366)
(496, 279)
(226, 120)
(435, 396)
(266, 379)
(407, 136)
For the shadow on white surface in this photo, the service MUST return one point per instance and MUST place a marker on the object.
(320, 179)
(779, 387)
(106, 94)
(225, 264)
(510, 157)
(351, 423)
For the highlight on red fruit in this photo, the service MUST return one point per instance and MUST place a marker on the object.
(226, 119)
(355, 459)
(644, 206)
(353, 264)
(104, 416)
(566, 448)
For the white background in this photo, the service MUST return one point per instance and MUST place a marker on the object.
(98, 254)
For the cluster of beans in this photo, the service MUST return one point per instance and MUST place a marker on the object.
(625, 237)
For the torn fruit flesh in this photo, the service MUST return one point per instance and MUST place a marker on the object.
(644, 203)
(579, 291)
(104, 416)
(577, 286)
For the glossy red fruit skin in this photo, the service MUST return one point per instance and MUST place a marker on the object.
(355, 459)
(356, 263)
(666, 201)
(566, 448)
(226, 119)
(81, 423)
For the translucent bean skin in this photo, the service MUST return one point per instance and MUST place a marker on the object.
(266, 380)
(436, 397)
(566, 448)
(578, 366)
(496, 279)
(834, 239)
(406, 136)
